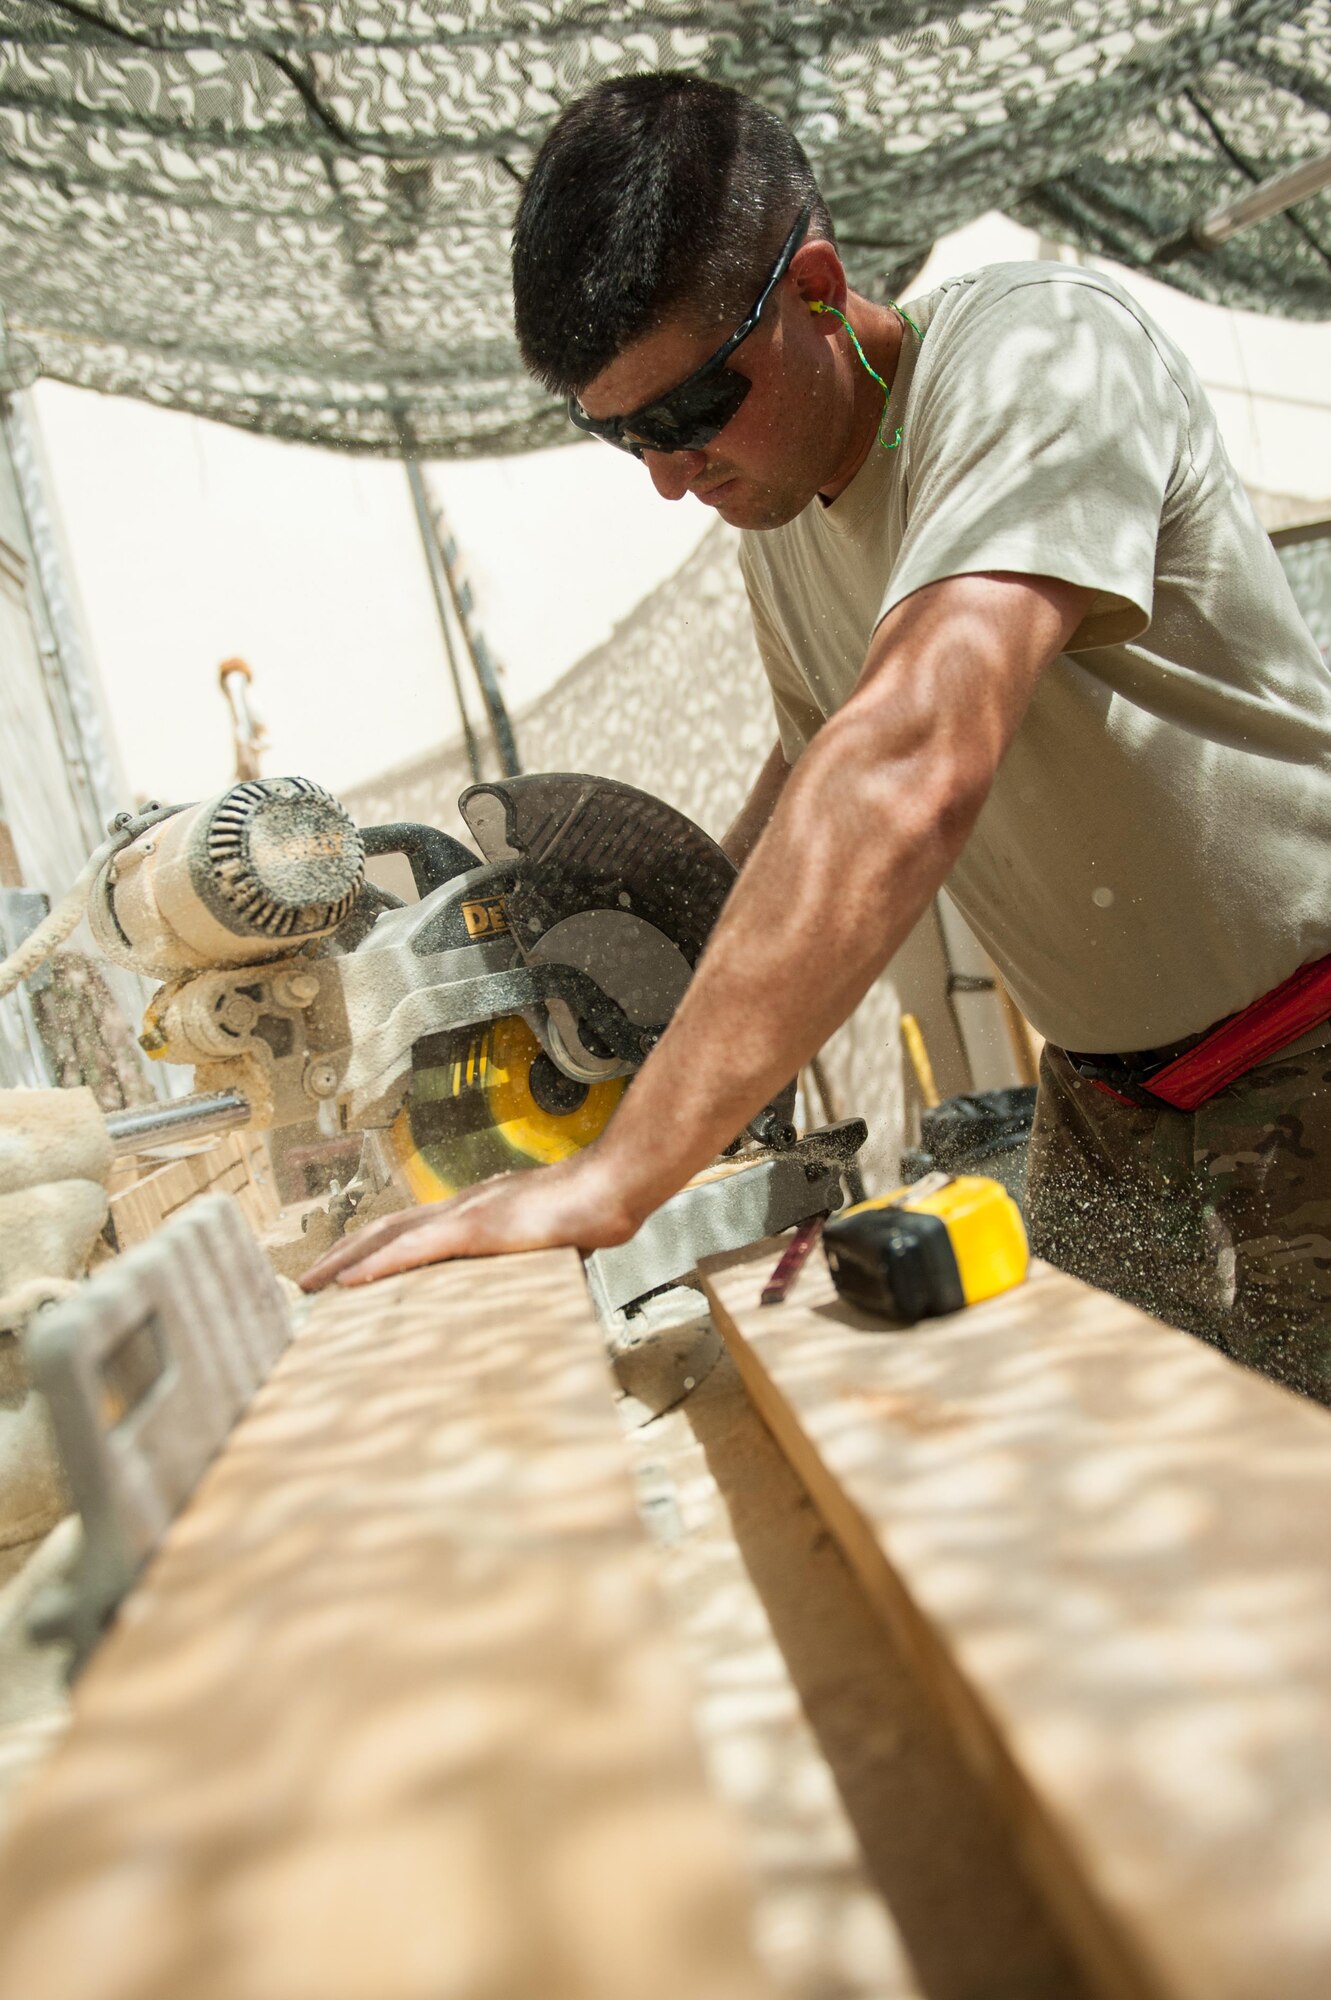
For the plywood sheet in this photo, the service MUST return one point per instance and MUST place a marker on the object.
(1107, 1547)
(236, 1163)
(392, 1715)
(884, 1872)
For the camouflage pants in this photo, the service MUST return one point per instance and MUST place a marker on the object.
(1217, 1220)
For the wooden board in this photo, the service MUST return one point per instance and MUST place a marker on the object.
(883, 1871)
(236, 1163)
(1107, 1548)
(392, 1715)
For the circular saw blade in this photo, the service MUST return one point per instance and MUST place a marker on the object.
(486, 1100)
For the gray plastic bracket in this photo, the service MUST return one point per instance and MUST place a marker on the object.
(726, 1213)
(145, 1369)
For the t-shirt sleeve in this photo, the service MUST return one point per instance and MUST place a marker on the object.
(1043, 440)
(797, 719)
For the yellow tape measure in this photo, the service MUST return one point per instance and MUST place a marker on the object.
(944, 1243)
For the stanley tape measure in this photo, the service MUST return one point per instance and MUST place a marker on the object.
(945, 1242)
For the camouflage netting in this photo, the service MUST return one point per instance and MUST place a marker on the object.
(293, 215)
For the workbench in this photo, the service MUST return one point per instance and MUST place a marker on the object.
(392, 1715)
(995, 1659)
(1104, 1547)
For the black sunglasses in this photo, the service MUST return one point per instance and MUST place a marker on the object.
(690, 415)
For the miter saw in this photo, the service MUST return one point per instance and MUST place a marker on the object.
(495, 1023)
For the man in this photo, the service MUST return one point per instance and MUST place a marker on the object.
(1025, 635)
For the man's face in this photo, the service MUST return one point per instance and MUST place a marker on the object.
(785, 442)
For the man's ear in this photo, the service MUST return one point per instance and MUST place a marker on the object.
(820, 276)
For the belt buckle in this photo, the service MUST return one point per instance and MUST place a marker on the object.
(1118, 1076)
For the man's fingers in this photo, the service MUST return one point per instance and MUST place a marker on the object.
(453, 1229)
(566, 1203)
(404, 1253)
(367, 1244)
(362, 1244)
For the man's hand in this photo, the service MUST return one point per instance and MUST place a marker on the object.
(581, 1201)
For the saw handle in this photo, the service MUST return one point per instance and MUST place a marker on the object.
(434, 856)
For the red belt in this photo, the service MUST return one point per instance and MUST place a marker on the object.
(1289, 1010)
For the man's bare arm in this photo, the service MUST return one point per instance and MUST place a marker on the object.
(867, 826)
(746, 830)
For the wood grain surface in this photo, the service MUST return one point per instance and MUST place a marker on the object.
(236, 1163)
(1107, 1549)
(392, 1715)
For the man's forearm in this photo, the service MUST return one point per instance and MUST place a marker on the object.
(865, 832)
(746, 831)
(797, 947)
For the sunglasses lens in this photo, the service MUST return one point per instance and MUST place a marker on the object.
(684, 420)
(690, 416)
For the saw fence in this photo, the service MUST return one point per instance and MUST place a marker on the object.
(402, 1705)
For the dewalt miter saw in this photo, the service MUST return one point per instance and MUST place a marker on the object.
(495, 1023)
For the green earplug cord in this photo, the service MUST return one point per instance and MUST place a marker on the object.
(888, 444)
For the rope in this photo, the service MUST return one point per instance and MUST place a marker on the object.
(58, 923)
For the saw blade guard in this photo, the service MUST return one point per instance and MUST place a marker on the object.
(619, 882)
(593, 843)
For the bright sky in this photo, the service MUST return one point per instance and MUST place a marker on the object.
(192, 542)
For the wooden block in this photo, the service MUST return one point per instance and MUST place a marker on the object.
(252, 1206)
(136, 1211)
(1107, 1548)
(124, 1174)
(302, 1232)
(253, 1147)
(235, 1163)
(392, 1715)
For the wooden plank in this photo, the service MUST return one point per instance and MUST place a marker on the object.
(392, 1716)
(1107, 1548)
(883, 1871)
(236, 1163)
(144, 1206)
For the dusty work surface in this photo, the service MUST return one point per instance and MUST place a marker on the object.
(1107, 1548)
(392, 1715)
(883, 1871)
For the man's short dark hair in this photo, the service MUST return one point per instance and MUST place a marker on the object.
(653, 197)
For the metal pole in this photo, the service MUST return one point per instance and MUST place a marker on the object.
(141, 1128)
(74, 699)
(1270, 197)
(500, 724)
(96, 782)
(441, 586)
(249, 737)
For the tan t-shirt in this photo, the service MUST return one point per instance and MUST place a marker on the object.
(1156, 849)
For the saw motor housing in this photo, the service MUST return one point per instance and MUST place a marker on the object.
(251, 875)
